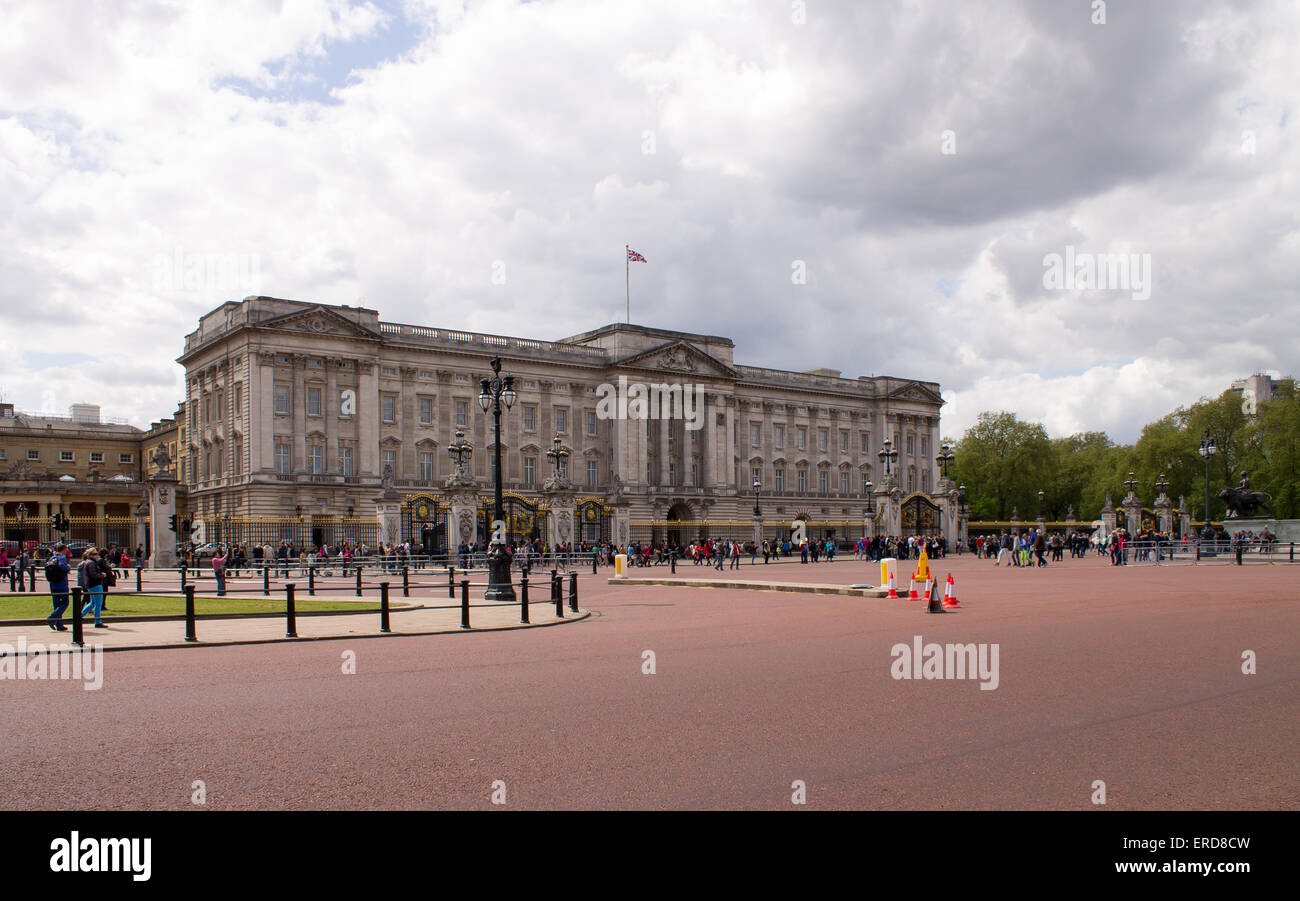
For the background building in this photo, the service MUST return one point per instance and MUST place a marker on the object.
(295, 411)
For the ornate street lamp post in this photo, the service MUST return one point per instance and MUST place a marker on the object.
(493, 393)
(1130, 483)
(1041, 495)
(460, 452)
(757, 511)
(888, 457)
(1162, 484)
(945, 459)
(1207, 450)
(559, 457)
(871, 498)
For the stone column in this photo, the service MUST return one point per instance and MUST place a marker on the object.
(1164, 508)
(388, 510)
(1133, 512)
(622, 521)
(559, 522)
(462, 523)
(890, 504)
(367, 416)
(162, 506)
(758, 532)
(1107, 516)
(1184, 517)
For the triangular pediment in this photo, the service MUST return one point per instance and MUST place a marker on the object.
(319, 320)
(679, 357)
(915, 391)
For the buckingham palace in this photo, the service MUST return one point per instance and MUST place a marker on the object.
(316, 420)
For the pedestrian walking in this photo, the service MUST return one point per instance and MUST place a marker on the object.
(90, 580)
(56, 574)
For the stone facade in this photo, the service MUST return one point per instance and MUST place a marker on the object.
(299, 407)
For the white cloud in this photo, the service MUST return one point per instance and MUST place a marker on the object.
(516, 133)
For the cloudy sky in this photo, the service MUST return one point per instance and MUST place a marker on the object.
(877, 187)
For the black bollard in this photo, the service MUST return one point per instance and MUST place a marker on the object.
(573, 592)
(291, 626)
(266, 581)
(593, 564)
(464, 603)
(182, 578)
(311, 580)
(13, 578)
(673, 563)
(383, 607)
(78, 635)
(1292, 552)
(359, 581)
(138, 580)
(406, 581)
(523, 600)
(189, 613)
(557, 594)
(451, 581)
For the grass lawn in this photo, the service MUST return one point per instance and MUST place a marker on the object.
(35, 606)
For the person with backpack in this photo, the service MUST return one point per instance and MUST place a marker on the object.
(56, 573)
(91, 580)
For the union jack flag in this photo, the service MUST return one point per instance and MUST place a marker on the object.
(634, 257)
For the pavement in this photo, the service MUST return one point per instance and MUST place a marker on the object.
(428, 612)
(684, 698)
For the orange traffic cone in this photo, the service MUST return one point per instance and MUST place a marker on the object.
(911, 591)
(892, 592)
(950, 593)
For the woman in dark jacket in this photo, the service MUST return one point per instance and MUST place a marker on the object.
(91, 580)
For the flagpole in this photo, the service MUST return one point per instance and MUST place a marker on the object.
(627, 273)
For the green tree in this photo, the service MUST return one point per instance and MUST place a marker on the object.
(1003, 462)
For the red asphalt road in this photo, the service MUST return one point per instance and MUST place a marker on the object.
(1130, 676)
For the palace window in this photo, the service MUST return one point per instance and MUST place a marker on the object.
(390, 408)
(803, 481)
(426, 466)
(593, 473)
(911, 445)
(844, 442)
(67, 457)
(822, 482)
(313, 401)
(779, 432)
(822, 440)
(779, 479)
(389, 462)
(530, 419)
(591, 422)
(755, 434)
(96, 457)
(530, 470)
(801, 438)
(695, 474)
(426, 411)
(561, 420)
(866, 443)
(345, 460)
(462, 412)
(282, 464)
(282, 399)
(844, 483)
(925, 447)
(314, 459)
